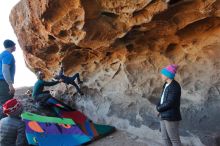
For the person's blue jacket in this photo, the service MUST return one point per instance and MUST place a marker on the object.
(12, 132)
(39, 87)
(7, 58)
(170, 108)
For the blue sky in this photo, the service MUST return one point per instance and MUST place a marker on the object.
(23, 77)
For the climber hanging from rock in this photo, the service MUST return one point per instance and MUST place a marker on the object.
(70, 80)
(40, 96)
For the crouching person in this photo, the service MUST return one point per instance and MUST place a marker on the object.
(12, 128)
(40, 96)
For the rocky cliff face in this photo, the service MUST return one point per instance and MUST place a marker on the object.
(119, 48)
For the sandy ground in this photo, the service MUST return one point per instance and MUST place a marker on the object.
(118, 138)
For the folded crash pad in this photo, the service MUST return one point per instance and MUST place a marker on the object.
(53, 131)
(95, 131)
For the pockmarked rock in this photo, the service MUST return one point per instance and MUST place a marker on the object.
(119, 48)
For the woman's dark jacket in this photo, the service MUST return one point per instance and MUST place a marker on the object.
(170, 109)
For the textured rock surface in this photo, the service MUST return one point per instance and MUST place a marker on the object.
(119, 48)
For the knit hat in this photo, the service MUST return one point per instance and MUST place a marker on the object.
(169, 71)
(9, 44)
(12, 107)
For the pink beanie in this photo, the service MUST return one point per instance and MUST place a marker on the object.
(169, 71)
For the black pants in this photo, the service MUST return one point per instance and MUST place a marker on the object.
(71, 80)
(42, 98)
(76, 76)
(76, 86)
(4, 95)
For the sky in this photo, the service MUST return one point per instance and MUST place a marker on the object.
(23, 77)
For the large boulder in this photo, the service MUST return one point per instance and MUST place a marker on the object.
(119, 48)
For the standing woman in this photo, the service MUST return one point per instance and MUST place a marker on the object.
(7, 73)
(169, 107)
